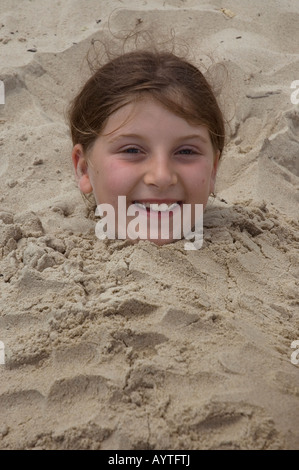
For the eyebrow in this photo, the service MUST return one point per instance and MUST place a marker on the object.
(193, 137)
(139, 136)
(122, 136)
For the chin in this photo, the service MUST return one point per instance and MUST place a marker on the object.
(161, 242)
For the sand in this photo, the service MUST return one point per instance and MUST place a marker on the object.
(114, 346)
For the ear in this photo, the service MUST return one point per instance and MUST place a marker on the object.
(81, 169)
(214, 171)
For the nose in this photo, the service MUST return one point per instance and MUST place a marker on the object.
(160, 172)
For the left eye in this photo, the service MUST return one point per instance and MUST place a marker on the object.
(186, 152)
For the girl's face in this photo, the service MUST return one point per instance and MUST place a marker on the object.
(151, 156)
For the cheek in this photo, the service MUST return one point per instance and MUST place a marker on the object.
(198, 181)
(113, 182)
(198, 177)
(113, 177)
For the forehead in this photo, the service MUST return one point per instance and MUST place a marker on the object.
(148, 115)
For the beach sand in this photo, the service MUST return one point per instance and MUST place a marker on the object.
(110, 345)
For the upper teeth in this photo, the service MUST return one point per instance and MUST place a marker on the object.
(157, 207)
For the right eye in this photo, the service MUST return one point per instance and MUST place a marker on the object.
(131, 150)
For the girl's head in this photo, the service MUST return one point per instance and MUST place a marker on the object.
(147, 126)
(175, 83)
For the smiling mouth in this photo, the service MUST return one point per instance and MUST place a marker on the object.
(157, 207)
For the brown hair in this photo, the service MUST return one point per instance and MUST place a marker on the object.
(174, 82)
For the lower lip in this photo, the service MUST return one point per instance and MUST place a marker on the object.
(159, 214)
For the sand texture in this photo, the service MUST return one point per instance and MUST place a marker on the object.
(110, 345)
